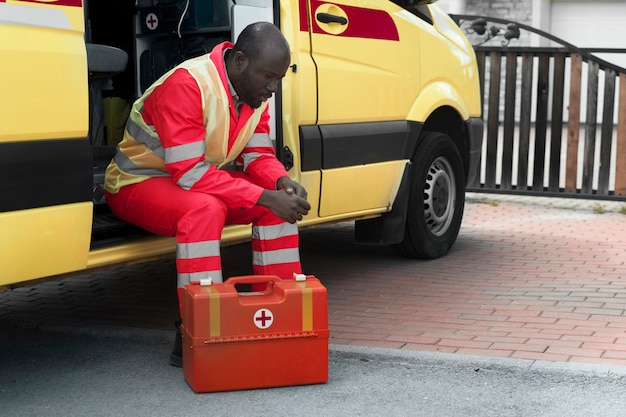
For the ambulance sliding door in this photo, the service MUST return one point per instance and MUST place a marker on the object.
(45, 158)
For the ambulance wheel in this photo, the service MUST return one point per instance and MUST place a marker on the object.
(436, 198)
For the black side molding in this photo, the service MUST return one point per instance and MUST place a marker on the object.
(345, 145)
(45, 173)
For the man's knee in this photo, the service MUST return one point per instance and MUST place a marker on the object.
(206, 212)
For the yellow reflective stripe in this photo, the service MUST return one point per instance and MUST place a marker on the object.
(215, 108)
(245, 133)
(307, 307)
(214, 311)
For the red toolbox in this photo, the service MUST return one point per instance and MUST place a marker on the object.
(240, 340)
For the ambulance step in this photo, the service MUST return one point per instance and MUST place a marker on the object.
(108, 230)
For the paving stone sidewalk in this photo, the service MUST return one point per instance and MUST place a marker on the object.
(530, 278)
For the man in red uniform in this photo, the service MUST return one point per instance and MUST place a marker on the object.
(167, 176)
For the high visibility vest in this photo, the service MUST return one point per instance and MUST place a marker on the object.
(141, 155)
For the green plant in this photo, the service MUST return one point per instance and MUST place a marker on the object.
(484, 200)
(599, 208)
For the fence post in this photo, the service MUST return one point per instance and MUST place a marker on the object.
(524, 123)
(620, 162)
(590, 128)
(556, 129)
(493, 120)
(573, 124)
(606, 137)
(542, 122)
(509, 120)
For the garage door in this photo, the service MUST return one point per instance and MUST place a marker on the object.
(591, 24)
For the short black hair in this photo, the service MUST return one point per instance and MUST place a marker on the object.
(254, 36)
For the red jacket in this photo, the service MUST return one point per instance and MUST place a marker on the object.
(175, 110)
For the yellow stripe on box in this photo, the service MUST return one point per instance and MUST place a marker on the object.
(214, 311)
(307, 307)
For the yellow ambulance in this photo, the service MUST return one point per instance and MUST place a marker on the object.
(379, 117)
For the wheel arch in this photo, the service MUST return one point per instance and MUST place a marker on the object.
(442, 108)
(447, 120)
(436, 200)
(389, 227)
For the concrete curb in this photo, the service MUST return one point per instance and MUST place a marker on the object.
(597, 206)
(432, 358)
(475, 361)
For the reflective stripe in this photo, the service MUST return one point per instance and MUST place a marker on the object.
(33, 16)
(274, 231)
(219, 148)
(198, 249)
(184, 152)
(186, 278)
(141, 136)
(125, 164)
(259, 140)
(274, 257)
(249, 158)
(191, 177)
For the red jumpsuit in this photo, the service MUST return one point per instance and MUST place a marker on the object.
(194, 199)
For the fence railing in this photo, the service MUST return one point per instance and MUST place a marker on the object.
(547, 132)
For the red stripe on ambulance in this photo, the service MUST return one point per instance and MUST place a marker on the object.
(359, 22)
(71, 3)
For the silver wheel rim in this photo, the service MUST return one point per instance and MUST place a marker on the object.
(439, 196)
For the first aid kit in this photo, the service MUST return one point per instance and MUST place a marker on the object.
(235, 339)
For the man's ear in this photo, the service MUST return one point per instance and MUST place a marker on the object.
(241, 61)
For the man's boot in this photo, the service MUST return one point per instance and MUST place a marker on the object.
(176, 357)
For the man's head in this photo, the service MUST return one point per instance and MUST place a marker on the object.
(257, 63)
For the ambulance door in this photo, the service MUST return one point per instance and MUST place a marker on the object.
(367, 58)
(45, 159)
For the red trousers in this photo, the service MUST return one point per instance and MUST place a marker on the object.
(197, 219)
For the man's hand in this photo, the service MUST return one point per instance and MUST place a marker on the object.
(288, 202)
(289, 185)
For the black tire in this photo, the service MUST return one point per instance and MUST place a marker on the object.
(436, 198)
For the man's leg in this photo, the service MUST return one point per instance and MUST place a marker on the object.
(275, 248)
(195, 219)
(160, 206)
(274, 242)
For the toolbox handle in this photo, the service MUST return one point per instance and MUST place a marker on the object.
(252, 279)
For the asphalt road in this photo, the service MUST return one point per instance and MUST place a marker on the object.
(113, 372)
(87, 347)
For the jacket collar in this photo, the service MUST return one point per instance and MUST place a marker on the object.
(217, 56)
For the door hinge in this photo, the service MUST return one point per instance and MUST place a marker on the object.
(286, 158)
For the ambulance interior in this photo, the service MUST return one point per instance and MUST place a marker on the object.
(131, 43)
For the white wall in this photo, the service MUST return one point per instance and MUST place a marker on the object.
(452, 6)
(598, 24)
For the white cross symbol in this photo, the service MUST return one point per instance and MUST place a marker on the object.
(152, 21)
(263, 318)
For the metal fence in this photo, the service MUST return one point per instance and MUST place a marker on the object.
(555, 116)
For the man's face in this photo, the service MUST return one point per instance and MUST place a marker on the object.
(257, 78)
